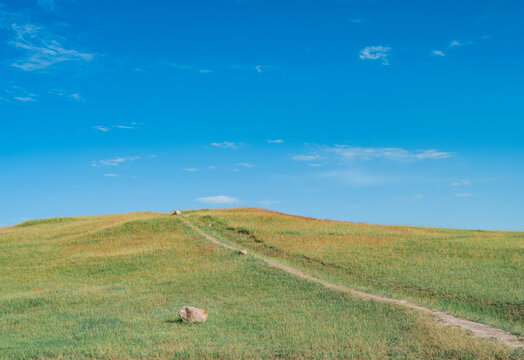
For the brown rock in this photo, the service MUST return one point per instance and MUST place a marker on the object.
(192, 314)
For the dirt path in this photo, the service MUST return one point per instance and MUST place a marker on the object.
(478, 329)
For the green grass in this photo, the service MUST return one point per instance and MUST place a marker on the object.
(46, 221)
(474, 274)
(109, 287)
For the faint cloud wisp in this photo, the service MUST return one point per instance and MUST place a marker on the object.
(118, 160)
(226, 145)
(217, 199)
(306, 157)
(370, 153)
(376, 53)
(40, 49)
(464, 195)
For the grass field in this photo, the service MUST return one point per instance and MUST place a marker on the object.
(109, 287)
(478, 275)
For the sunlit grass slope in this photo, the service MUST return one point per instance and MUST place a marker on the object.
(109, 287)
(474, 274)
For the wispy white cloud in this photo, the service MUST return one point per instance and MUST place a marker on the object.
(76, 96)
(269, 202)
(18, 94)
(326, 156)
(437, 53)
(190, 169)
(276, 141)
(306, 157)
(455, 44)
(355, 21)
(257, 68)
(133, 125)
(430, 154)
(105, 128)
(381, 53)
(226, 145)
(246, 165)
(41, 49)
(464, 195)
(266, 68)
(112, 175)
(117, 161)
(370, 153)
(218, 199)
(67, 94)
(461, 182)
(25, 98)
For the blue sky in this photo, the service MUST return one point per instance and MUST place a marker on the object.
(391, 112)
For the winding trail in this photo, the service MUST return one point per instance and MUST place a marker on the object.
(477, 329)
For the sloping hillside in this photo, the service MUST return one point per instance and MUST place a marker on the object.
(473, 274)
(109, 287)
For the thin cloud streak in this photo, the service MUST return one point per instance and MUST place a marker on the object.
(461, 182)
(104, 128)
(41, 50)
(371, 153)
(119, 160)
(25, 98)
(226, 145)
(217, 199)
(246, 165)
(306, 157)
(464, 195)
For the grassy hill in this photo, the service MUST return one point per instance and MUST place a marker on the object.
(109, 287)
(475, 274)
